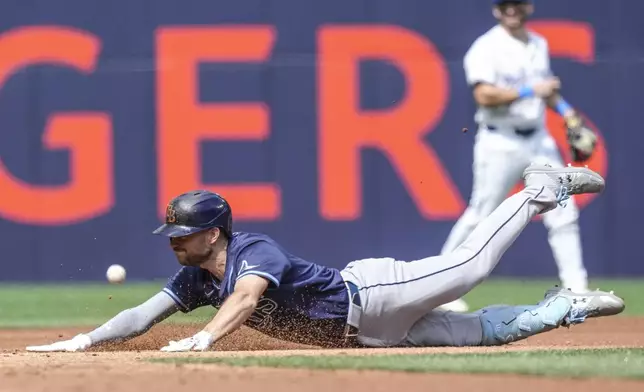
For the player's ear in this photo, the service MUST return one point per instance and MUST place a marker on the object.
(214, 235)
(496, 11)
(529, 9)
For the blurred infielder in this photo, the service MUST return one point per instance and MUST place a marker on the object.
(377, 302)
(508, 69)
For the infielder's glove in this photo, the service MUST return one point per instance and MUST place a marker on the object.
(581, 139)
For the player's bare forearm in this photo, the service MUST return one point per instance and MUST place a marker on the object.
(489, 95)
(232, 314)
(238, 307)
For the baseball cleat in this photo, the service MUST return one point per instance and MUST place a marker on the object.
(587, 305)
(565, 181)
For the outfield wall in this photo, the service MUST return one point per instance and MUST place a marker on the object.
(107, 109)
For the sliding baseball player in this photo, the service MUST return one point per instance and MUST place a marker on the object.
(375, 302)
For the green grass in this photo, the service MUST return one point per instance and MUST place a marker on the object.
(57, 305)
(627, 363)
(47, 305)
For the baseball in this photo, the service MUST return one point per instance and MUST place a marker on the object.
(115, 273)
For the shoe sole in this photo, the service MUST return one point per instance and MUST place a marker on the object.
(604, 307)
(595, 183)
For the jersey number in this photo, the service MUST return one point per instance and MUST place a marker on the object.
(261, 315)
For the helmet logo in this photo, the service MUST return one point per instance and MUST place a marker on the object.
(170, 214)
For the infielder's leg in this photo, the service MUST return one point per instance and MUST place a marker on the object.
(563, 228)
(395, 294)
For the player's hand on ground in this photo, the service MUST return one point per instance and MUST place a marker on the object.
(77, 343)
(199, 342)
(547, 87)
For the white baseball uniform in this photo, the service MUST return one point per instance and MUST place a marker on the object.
(512, 136)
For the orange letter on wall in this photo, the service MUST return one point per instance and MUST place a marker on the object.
(183, 122)
(87, 136)
(397, 132)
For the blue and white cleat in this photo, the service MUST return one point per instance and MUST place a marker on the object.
(588, 304)
(564, 181)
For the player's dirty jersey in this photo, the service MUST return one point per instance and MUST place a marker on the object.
(304, 302)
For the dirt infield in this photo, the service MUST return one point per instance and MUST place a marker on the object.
(121, 368)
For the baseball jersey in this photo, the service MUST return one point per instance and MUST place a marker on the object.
(302, 297)
(498, 58)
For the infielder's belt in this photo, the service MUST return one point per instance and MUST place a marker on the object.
(355, 309)
(518, 131)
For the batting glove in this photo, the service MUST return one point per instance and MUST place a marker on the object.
(199, 342)
(77, 343)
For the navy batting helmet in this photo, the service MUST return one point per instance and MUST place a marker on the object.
(196, 211)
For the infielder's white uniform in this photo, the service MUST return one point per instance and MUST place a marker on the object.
(511, 137)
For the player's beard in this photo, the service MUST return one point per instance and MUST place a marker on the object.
(193, 259)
